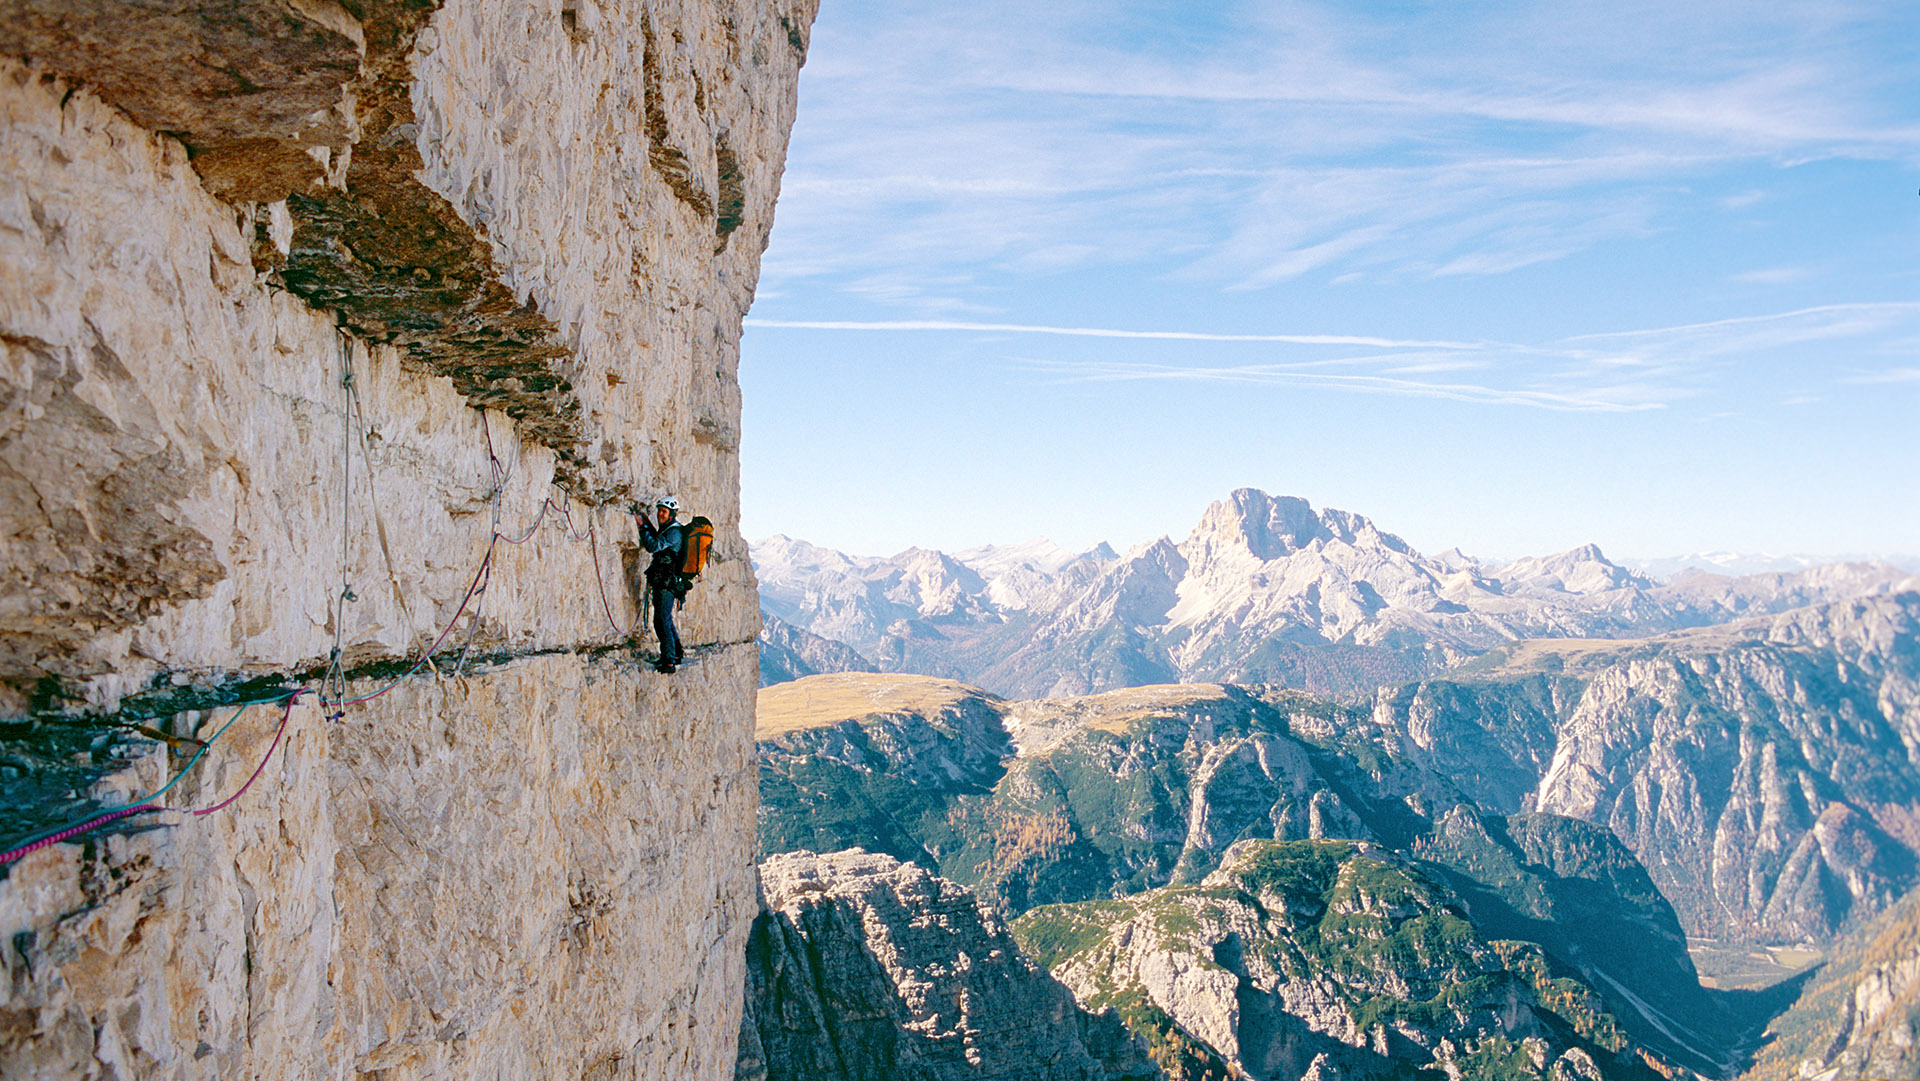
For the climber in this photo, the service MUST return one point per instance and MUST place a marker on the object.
(667, 541)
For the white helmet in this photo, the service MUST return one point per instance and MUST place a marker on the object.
(668, 502)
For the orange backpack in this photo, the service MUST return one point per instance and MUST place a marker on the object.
(699, 540)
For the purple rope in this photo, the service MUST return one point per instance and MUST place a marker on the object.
(277, 733)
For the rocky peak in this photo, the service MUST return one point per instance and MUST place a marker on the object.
(1580, 571)
(1262, 525)
(1034, 574)
(1275, 527)
(1138, 589)
(781, 555)
(933, 583)
(1038, 554)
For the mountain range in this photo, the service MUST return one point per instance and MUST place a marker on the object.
(1751, 784)
(1738, 563)
(1263, 590)
(1290, 798)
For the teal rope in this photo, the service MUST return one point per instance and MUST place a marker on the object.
(203, 749)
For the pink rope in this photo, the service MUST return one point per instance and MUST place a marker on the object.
(73, 831)
(486, 566)
(484, 572)
(594, 542)
(95, 823)
(277, 733)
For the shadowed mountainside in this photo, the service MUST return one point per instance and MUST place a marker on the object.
(788, 653)
(1764, 772)
(862, 968)
(1071, 800)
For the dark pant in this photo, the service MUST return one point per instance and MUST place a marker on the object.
(663, 603)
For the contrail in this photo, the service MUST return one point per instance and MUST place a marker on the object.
(1363, 384)
(1103, 332)
(1890, 308)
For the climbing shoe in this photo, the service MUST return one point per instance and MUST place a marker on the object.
(664, 667)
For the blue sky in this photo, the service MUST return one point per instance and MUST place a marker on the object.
(1511, 276)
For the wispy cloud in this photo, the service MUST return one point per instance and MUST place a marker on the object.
(1251, 145)
(1099, 210)
(1753, 333)
(1891, 375)
(1595, 401)
(1784, 275)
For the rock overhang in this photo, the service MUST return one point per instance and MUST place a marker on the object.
(302, 114)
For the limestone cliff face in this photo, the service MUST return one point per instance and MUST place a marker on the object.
(302, 306)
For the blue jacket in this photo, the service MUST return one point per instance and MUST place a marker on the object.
(666, 543)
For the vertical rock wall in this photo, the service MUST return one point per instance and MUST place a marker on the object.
(530, 231)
